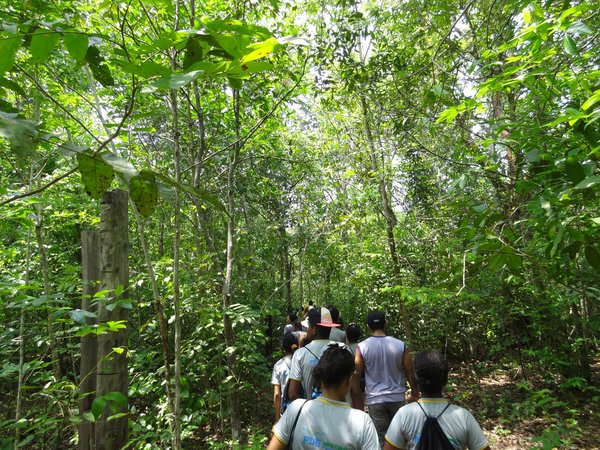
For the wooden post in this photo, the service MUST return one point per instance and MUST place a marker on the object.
(90, 271)
(114, 271)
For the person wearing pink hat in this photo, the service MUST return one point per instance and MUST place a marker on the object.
(306, 358)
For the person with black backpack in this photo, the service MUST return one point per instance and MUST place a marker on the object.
(432, 423)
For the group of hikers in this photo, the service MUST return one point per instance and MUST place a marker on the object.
(327, 376)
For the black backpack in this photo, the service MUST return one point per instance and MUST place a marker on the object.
(286, 396)
(432, 435)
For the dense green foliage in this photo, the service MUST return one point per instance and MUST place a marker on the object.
(435, 159)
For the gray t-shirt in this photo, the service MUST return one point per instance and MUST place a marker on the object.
(304, 361)
(337, 335)
(458, 424)
(384, 373)
(326, 423)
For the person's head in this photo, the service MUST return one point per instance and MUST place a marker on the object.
(431, 371)
(376, 320)
(353, 333)
(292, 318)
(320, 323)
(335, 314)
(335, 366)
(289, 343)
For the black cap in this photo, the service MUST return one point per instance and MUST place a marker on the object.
(376, 319)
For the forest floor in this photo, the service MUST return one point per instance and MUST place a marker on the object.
(517, 412)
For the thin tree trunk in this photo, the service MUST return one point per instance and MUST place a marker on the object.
(390, 219)
(47, 291)
(176, 239)
(160, 316)
(22, 344)
(234, 402)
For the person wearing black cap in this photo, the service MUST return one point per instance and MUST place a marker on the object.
(387, 365)
(306, 358)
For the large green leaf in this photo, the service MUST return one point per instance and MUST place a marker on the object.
(8, 49)
(96, 174)
(593, 257)
(77, 45)
(588, 182)
(574, 169)
(98, 66)
(144, 192)
(98, 406)
(42, 43)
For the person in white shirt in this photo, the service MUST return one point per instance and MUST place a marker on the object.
(458, 424)
(281, 371)
(328, 421)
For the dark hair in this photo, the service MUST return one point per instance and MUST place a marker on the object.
(353, 333)
(288, 340)
(431, 371)
(293, 317)
(335, 314)
(336, 365)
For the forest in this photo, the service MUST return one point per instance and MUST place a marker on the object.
(176, 175)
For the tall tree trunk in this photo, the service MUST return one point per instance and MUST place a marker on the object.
(176, 239)
(112, 365)
(21, 379)
(160, 316)
(234, 401)
(47, 292)
(389, 215)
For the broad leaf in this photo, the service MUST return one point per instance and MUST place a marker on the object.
(42, 43)
(77, 45)
(588, 182)
(593, 257)
(8, 49)
(144, 192)
(570, 46)
(98, 66)
(98, 406)
(574, 169)
(96, 174)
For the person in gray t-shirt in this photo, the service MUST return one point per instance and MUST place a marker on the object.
(458, 424)
(387, 365)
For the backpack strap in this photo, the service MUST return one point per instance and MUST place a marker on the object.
(294, 426)
(318, 359)
(440, 415)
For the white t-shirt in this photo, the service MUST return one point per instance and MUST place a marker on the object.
(457, 423)
(281, 372)
(304, 361)
(328, 424)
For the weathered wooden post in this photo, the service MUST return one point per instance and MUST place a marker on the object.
(90, 271)
(114, 274)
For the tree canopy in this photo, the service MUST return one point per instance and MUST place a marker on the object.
(438, 160)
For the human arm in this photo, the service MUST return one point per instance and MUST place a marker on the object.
(276, 444)
(358, 400)
(389, 446)
(277, 400)
(294, 389)
(410, 376)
